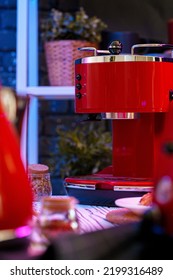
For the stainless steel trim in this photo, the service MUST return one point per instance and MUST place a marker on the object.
(89, 49)
(120, 58)
(152, 45)
(94, 50)
(133, 188)
(120, 115)
(81, 186)
(115, 188)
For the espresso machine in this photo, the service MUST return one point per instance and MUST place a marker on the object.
(135, 92)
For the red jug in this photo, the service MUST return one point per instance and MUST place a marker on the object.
(15, 190)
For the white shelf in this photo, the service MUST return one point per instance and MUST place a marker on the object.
(27, 76)
(49, 92)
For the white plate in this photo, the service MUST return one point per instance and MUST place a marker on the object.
(132, 203)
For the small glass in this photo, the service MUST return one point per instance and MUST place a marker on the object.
(57, 215)
(41, 185)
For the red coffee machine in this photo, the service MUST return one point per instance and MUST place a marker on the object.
(135, 92)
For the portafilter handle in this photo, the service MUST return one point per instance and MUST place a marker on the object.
(165, 46)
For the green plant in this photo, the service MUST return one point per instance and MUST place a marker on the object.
(84, 150)
(78, 26)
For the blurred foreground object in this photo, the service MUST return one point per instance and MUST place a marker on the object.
(16, 109)
(14, 106)
(57, 216)
(15, 191)
(9, 102)
(163, 191)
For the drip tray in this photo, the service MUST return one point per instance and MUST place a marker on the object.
(88, 194)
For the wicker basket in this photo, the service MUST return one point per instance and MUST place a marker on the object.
(60, 57)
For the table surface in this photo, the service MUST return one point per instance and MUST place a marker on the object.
(90, 218)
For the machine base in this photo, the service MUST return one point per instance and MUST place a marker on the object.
(102, 190)
(100, 197)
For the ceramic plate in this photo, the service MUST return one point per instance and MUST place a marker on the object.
(132, 203)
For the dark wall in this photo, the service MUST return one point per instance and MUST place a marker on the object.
(148, 18)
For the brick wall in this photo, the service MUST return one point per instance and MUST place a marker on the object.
(8, 42)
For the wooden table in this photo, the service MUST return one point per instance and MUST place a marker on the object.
(90, 218)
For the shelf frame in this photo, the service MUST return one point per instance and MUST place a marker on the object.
(27, 77)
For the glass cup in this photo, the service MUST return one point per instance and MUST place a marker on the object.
(57, 214)
(40, 184)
